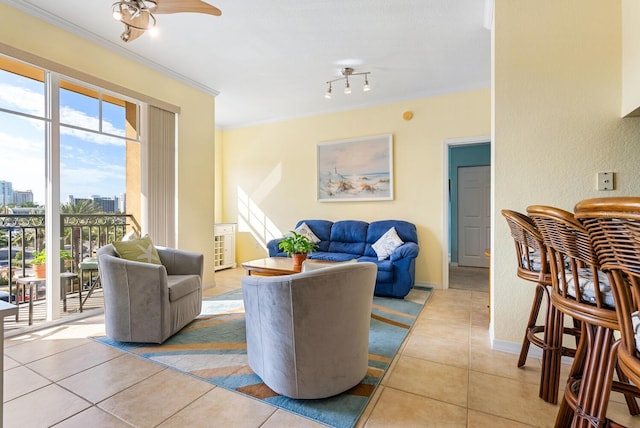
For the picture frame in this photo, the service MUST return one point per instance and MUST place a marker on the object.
(356, 169)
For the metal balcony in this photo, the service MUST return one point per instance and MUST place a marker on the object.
(82, 235)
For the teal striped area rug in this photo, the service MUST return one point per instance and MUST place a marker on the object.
(213, 348)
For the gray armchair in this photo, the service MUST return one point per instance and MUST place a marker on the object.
(308, 333)
(148, 303)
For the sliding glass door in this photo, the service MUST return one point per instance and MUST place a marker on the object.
(69, 163)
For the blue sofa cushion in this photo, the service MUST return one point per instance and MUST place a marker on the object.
(349, 237)
(385, 268)
(334, 257)
(383, 265)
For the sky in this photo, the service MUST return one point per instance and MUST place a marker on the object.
(90, 164)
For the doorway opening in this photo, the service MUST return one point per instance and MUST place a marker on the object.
(467, 164)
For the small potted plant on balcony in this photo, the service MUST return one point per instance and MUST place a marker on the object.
(297, 246)
(39, 262)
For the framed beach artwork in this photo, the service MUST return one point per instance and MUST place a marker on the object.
(358, 169)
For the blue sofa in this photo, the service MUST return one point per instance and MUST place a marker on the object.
(353, 239)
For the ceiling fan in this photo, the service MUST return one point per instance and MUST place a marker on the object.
(138, 15)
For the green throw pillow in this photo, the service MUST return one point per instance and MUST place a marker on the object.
(139, 250)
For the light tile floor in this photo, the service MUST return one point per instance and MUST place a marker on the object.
(446, 374)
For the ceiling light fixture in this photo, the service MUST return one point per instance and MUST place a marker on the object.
(135, 15)
(346, 73)
(328, 94)
(347, 88)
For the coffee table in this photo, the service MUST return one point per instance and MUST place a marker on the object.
(270, 266)
(273, 266)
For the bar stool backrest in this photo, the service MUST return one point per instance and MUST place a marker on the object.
(613, 225)
(581, 290)
(531, 254)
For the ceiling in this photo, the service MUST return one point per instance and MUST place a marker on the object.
(270, 60)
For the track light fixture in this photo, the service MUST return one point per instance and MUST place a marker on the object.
(136, 15)
(346, 73)
(328, 94)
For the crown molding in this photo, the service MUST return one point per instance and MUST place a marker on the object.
(57, 21)
(390, 100)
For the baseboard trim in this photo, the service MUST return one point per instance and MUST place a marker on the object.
(433, 285)
(514, 348)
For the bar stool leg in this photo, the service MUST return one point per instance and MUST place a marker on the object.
(540, 291)
(594, 386)
(552, 355)
(564, 417)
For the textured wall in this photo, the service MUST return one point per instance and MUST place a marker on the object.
(557, 98)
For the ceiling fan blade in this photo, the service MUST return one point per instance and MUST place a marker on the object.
(178, 6)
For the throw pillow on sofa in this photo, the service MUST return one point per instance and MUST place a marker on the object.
(387, 244)
(138, 250)
(304, 230)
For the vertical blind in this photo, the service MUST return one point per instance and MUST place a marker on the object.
(161, 176)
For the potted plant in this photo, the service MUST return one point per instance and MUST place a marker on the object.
(297, 246)
(39, 262)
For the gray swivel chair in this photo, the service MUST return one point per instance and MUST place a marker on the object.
(145, 302)
(308, 333)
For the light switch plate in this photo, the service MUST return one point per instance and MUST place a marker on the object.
(605, 181)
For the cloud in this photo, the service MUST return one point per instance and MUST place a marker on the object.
(28, 101)
(22, 99)
(83, 181)
(23, 164)
(91, 163)
(71, 116)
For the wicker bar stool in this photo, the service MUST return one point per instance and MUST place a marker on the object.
(613, 225)
(582, 291)
(531, 259)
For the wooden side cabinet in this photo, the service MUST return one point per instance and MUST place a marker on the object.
(224, 246)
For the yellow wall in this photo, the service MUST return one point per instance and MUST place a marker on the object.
(195, 154)
(218, 176)
(631, 57)
(275, 166)
(557, 97)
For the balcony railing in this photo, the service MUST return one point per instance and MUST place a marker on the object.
(82, 235)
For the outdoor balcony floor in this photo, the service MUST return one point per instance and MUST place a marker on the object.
(93, 306)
